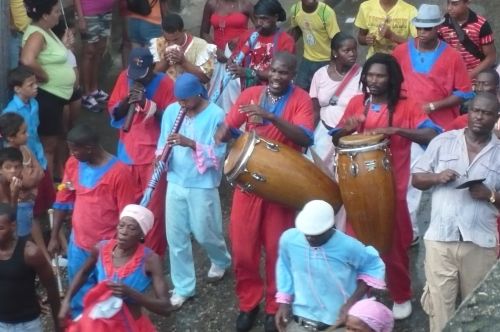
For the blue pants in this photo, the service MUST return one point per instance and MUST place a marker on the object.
(197, 211)
(31, 326)
(24, 218)
(76, 258)
(14, 49)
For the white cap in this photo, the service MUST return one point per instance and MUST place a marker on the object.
(315, 218)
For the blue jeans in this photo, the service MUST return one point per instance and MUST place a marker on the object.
(141, 32)
(24, 218)
(31, 326)
(76, 258)
(14, 49)
(197, 211)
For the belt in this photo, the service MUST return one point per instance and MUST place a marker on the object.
(309, 324)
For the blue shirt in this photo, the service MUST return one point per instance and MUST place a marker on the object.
(202, 167)
(319, 280)
(29, 112)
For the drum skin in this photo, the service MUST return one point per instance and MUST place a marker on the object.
(279, 173)
(369, 196)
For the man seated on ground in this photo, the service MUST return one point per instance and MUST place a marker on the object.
(321, 272)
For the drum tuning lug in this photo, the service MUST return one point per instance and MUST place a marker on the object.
(271, 146)
(387, 163)
(246, 187)
(258, 177)
(354, 169)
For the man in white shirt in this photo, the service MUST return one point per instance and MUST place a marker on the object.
(462, 238)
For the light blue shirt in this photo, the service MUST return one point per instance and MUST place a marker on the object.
(200, 168)
(29, 112)
(319, 280)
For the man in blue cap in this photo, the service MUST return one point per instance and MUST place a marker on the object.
(194, 174)
(144, 93)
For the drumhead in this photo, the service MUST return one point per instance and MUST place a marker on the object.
(358, 140)
(239, 154)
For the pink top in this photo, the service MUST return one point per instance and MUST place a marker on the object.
(228, 27)
(96, 7)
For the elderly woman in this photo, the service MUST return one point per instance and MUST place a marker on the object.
(332, 87)
(47, 56)
(369, 315)
(125, 269)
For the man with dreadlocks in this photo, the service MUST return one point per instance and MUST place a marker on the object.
(381, 109)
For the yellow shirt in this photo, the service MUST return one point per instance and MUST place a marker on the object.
(318, 28)
(371, 16)
(19, 20)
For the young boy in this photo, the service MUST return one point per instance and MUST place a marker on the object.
(23, 82)
(11, 167)
(20, 262)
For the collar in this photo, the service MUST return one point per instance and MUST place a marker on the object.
(471, 19)
(19, 103)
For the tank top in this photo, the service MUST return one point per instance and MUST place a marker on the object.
(19, 301)
(228, 27)
(54, 61)
(132, 273)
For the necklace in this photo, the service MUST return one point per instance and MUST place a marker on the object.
(419, 51)
(337, 72)
(273, 99)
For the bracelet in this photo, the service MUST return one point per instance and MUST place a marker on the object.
(432, 107)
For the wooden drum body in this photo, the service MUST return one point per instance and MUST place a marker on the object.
(278, 173)
(367, 188)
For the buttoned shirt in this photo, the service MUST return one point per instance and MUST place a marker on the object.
(454, 211)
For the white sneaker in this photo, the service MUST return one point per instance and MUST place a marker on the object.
(63, 262)
(177, 300)
(215, 273)
(401, 310)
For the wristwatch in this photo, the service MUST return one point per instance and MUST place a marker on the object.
(492, 197)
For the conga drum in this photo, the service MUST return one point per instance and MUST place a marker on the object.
(367, 188)
(278, 173)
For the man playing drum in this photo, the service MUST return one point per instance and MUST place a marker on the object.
(382, 110)
(284, 113)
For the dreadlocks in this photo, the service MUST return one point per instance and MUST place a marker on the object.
(395, 79)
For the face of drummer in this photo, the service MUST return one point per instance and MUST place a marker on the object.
(377, 79)
(129, 233)
(281, 74)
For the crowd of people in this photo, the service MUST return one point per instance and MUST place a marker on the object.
(428, 85)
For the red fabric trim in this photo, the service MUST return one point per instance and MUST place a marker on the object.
(124, 270)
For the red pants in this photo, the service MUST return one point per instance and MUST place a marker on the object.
(397, 261)
(156, 239)
(46, 195)
(256, 223)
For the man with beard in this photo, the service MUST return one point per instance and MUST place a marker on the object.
(282, 112)
(461, 241)
(382, 110)
(258, 47)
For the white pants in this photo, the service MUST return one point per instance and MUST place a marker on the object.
(414, 195)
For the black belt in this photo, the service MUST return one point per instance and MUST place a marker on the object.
(312, 325)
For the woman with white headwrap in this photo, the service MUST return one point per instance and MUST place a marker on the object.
(124, 269)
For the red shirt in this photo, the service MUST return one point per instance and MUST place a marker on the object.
(459, 123)
(138, 146)
(407, 115)
(260, 56)
(447, 75)
(477, 29)
(97, 196)
(298, 110)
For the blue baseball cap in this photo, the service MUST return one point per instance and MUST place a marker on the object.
(139, 62)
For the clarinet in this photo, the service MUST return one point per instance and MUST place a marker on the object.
(162, 162)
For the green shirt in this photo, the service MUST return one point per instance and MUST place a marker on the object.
(54, 61)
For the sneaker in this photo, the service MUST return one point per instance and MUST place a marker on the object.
(416, 240)
(215, 273)
(401, 310)
(90, 104)
(177, 300)
(100, 96)
(63, 262)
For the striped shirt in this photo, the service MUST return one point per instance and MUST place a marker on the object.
(478, 30)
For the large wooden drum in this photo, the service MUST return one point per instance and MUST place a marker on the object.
(278, 173)
(367, 188)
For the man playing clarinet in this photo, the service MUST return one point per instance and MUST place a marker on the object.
(136, 104)
(194, 174)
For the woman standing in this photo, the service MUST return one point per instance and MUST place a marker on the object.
(47, 56)
(124, 269)
(332, 87)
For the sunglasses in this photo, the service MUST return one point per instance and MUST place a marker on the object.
(425, 29)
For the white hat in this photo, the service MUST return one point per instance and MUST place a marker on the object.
(428, 16)
(142, 215)
(315, 218)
